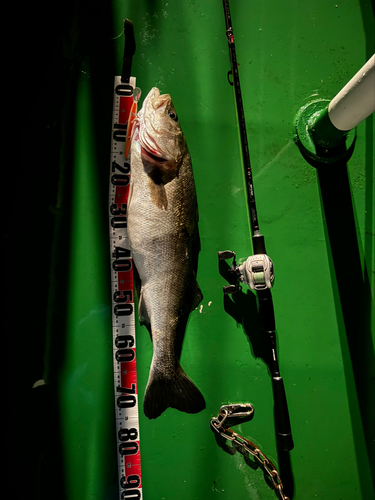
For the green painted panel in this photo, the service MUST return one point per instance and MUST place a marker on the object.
(319, 234)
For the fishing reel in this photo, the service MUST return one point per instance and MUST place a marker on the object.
(257, 272)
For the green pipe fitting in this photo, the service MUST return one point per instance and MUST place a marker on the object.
(320, 142)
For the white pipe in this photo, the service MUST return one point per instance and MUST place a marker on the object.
(356, 101)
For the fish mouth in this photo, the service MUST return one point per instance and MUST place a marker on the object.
(157, 99)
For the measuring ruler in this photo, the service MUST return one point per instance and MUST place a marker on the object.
(123, 317)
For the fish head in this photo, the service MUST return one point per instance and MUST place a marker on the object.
(159, 133)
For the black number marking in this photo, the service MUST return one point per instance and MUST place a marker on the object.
(132, 481)
(131, 495)
(123, 169)
(123, 309)
(116, 210)
(124, 90)
(120, 253)
(130, 448)
(119, 222)
(128, 435)
(127, 296)
(125, 355)
(122, 265)
(126, 401)
(126, 390)
(120, 179)
(122, 341)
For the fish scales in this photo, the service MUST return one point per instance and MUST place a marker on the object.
(163, 233)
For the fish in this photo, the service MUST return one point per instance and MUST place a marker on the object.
(162, 218)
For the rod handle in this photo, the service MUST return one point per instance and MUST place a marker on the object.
(129, 51)
(283, 429)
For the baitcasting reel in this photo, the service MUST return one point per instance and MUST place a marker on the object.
(257, 272)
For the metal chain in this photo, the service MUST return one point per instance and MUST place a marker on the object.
(232, 414)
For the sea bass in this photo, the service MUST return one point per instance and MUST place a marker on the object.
(164, 239)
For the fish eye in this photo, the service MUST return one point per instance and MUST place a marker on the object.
(173, 115)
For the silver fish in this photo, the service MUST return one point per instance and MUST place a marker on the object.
(164, 239)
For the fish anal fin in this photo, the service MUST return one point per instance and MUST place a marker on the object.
(137, 280)
(194, 296)
(143, 315)
(197, 296)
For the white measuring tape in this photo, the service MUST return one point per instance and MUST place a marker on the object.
(123, 318)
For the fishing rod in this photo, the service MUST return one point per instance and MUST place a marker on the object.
(257, 271)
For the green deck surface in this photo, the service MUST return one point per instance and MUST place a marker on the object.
(319, 231)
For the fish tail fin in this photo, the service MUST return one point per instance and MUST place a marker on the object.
(176, 391)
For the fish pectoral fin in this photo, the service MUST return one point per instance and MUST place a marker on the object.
(158, 194)
(130, 193)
